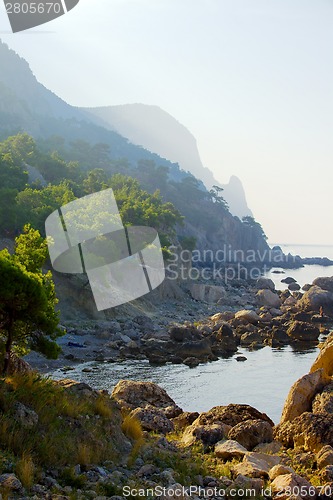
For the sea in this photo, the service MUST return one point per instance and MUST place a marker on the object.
(304, 274)
(263, 380)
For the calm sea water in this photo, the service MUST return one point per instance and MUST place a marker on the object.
(262, 381)
(305, 274)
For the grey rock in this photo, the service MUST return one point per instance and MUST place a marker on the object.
(25, 416)
(227, 450)
(10, 482)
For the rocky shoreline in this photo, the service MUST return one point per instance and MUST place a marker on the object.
(161, 451)
(232, 451)
(212, 322)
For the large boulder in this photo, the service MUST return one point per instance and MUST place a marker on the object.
(315, 298)
(248, 316)
(19, 365)
(324, 360)
(302, 331)
(232, 415)
(301, 395)
(265, 284)
(196, 349)
(283, 485)
(184, 333)
(207, 293)
(324, 456)
(153, 419)
(223, 341)
(323, 402)
(131, 395)
(288, 281)
(251, 433)
(215, 425)
(227, 450)
(326, 283)
(279, 470)
(251, 338)
(257, 465)
(268, 298)
(311, 431)
(294, 287)
(208, 435)
(79, 389)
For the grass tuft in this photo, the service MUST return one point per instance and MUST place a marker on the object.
(71, 428)
(102, 407)
(25, 469)
(132, 429)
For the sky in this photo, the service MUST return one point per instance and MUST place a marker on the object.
(251, 79)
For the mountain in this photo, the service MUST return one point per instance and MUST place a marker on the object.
(234, 194)
(23, 98)
(26, 105)
(153, 128)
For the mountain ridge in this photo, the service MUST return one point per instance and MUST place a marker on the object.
(153, 128)
(206, 219)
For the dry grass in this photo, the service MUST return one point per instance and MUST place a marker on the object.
(131, 427)
(102, 407)
(71, 429)
(25, 469)
(84, 454)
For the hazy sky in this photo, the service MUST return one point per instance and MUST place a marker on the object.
(251, 79)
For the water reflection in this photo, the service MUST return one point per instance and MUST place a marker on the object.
(263, 380)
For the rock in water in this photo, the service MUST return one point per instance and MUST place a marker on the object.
(299, 330)
(315, 298)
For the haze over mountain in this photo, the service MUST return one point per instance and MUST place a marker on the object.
(156, 130)
(28, 106)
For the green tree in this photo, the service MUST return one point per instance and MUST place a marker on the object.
(95, 181)
(217, 197)
(35, 205)
(12, 174)
(28, 319)
(21, 147)
(138, 207)
(251, 222)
